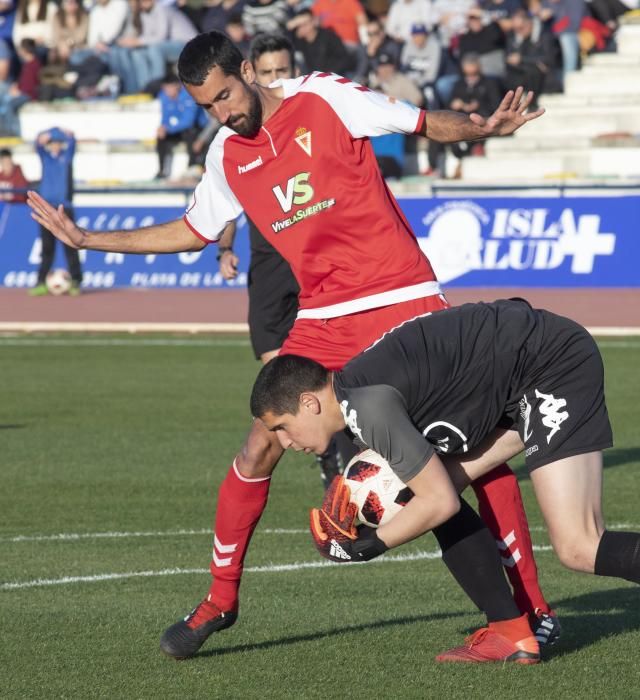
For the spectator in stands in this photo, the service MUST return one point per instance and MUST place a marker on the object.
(216, 14)
(477, 93)
(348, 20)
(403, 14)
(565, 17)
(154, 35)
(420, 60)
(379, 42)
(6, 59)
(485, 38)
(267, 16)
(194, 10)
(107, 19)
(452, 18)
(530, 54)
(321, 48)
(501, 11)
(7, 19)
(70, 29)
(56, 148)
(34, 20)
(11, 178)
(236, 31)
(178, 123)
(345, 17)
(21, 92)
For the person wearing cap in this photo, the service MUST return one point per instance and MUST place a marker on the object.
(56, 148)
(403, 14)
(421, 60)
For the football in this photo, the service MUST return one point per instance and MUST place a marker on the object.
(58, 282)
(375, 488)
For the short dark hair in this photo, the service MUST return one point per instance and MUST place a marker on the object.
(281, 381)
(268, 43)
(28, 45)
(5, 153)
(204, 52)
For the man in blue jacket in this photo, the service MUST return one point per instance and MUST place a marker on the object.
(180, 123)
(56, 148)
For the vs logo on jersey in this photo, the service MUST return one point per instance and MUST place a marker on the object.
(296, 191)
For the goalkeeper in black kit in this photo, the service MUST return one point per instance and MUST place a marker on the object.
(444, 398)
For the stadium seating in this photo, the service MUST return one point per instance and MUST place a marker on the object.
(590, 131)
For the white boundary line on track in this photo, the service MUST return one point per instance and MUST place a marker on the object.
(119, 327)
(79, 536)
(134, 327)
(268, 569)
(44, 341)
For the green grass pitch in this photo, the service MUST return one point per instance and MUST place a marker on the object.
(111, 454)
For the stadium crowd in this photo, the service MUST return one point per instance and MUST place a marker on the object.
(455, 54)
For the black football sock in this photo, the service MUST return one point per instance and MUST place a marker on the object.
(619, 555)
(472, 557)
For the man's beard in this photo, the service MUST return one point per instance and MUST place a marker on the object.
(248, 125)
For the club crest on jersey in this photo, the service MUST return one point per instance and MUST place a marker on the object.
(303, 139)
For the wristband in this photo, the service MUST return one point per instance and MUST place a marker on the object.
(368, 545)
(222, 250)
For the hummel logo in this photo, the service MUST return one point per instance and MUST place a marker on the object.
(336, 551)
(250, 166)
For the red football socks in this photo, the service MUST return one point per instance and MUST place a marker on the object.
(241, 502)
(500, 506)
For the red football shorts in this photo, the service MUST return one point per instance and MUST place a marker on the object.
(334, 341)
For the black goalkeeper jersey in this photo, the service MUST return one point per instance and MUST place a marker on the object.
(442, 382)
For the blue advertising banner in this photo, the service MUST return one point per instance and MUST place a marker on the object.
(471, 242)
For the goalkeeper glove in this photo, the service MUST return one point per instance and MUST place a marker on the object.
(333, 530)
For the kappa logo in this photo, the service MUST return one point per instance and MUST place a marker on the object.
(250, 166)
(351, 419)
(303, 139)
(552, 416)
(337, 551)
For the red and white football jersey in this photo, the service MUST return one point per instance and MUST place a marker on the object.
(310, 182)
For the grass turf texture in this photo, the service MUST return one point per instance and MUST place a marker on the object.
(133, 434)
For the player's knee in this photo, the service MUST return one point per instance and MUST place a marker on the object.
(577, 552)
(259, 454)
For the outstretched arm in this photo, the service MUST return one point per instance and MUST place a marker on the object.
(449, 127)
(172, 237)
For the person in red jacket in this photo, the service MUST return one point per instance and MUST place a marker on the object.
(11, 179)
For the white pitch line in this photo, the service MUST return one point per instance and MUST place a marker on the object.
(124, 342)
(267, 569)
(78, 536)
(75, 536)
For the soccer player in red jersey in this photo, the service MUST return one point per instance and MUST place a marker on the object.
(297, 158)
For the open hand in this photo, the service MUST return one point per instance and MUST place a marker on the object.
(511, 114)
(56, 221)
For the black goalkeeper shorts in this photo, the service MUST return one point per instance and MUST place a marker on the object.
(563, 413)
